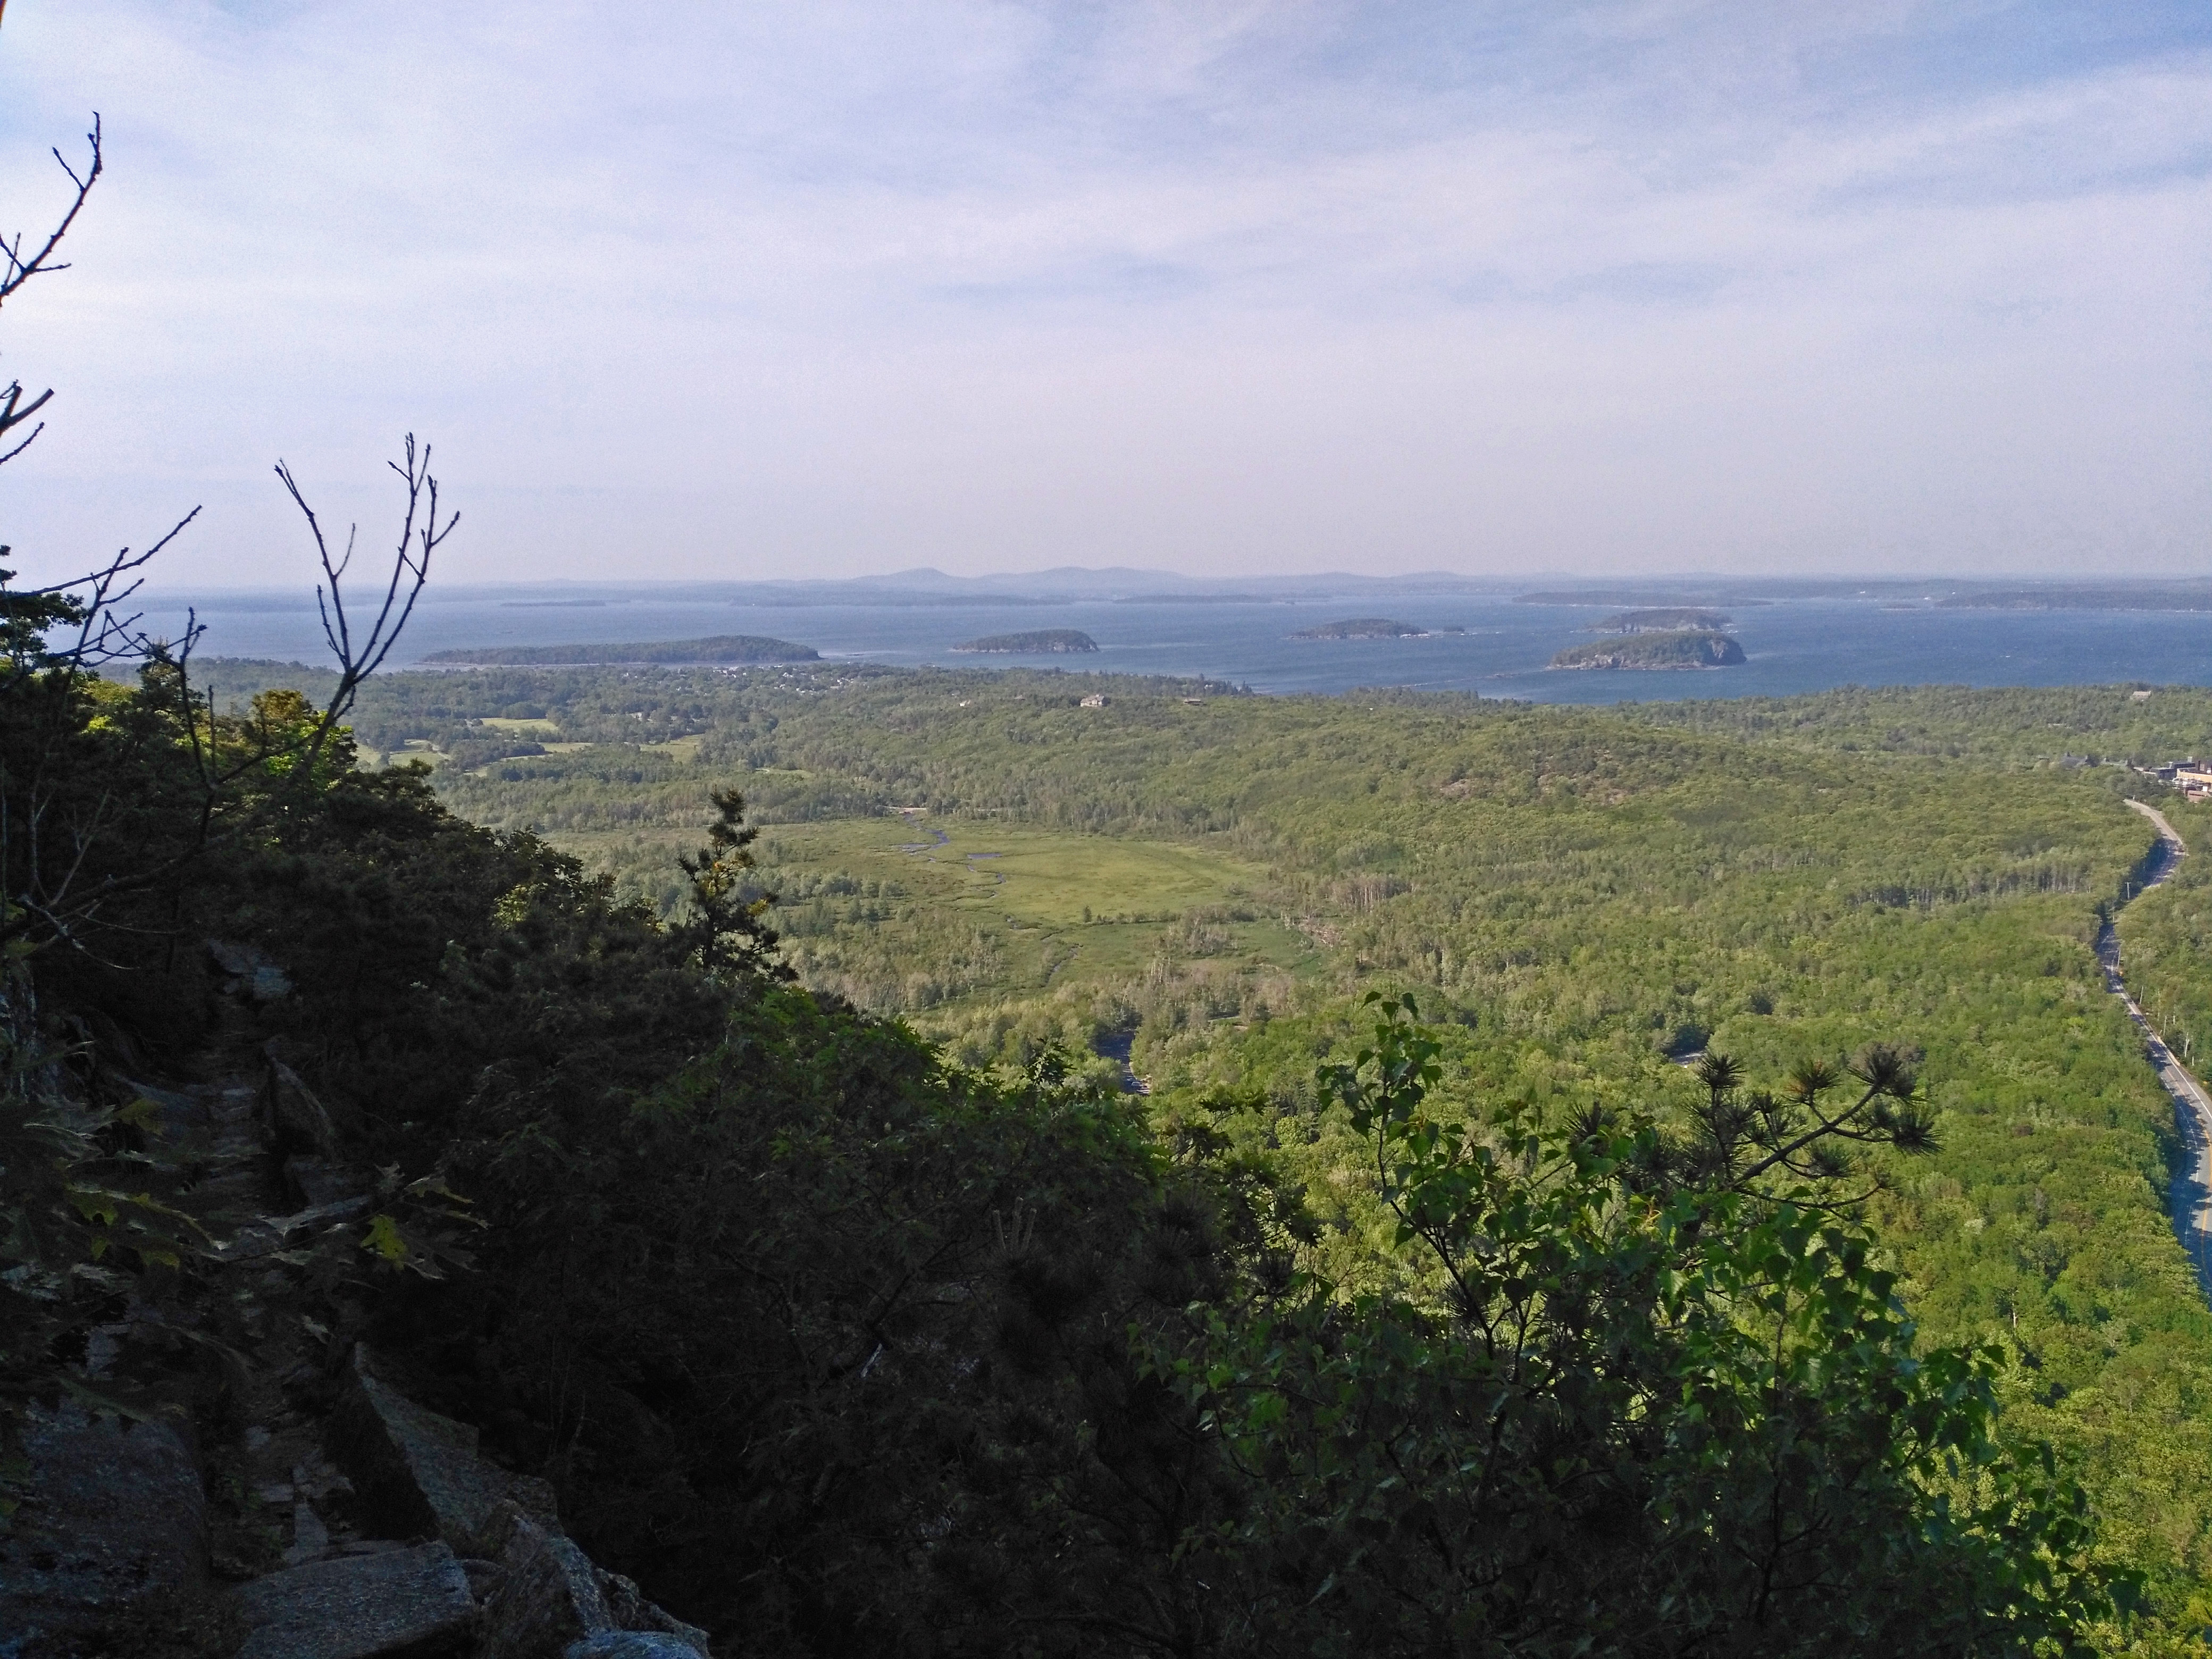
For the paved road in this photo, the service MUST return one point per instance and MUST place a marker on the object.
(2191, 1196)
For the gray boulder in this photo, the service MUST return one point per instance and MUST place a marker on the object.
(248, 973)
(551, 1602)
(291, 1117)
(548, 1600)
(115, 1510)
(634, 1614)
(418, 1474)
(266, 1235)
(399, 1604)
(315, 1180)
(632, 1645)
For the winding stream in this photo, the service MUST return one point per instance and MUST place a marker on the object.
(2191, 1196)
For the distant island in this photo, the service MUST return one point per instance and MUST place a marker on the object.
(1370, 628)
(1625, 596)
(1665, 620)
(723, 648)
(1037, 642)
(1689, 647)
(2121, 597)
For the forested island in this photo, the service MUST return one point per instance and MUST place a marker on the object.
(1370, 627)
(1036, 642)
(1660, 620)
(1677, 648)
(730, 648)
(2084, 595)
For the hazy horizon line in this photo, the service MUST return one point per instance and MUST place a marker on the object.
(1564, 579)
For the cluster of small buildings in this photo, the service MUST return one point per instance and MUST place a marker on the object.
(2192, 779)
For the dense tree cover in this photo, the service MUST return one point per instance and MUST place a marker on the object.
(837, 1345)
(1654, 649)
(1579, 893)
(2166, 938)
(1635, 1347)
(2139, 724)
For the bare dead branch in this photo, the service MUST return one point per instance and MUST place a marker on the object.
(103, 635)
(14, 269)
(42, 811)
(23, 445)
(13, 411)
(420, 536)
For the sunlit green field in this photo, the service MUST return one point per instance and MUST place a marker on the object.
(873, 907)
(1040, 878)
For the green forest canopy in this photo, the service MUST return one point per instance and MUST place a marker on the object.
(1579, 898)
(1584, 889)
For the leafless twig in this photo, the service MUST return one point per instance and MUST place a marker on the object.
(15, 270)
(104, 636)
(420, 536)
(54, 814)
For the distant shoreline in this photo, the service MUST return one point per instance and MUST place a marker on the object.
(734, 650)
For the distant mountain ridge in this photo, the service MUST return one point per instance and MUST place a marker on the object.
(924, 584)
(1951, 592)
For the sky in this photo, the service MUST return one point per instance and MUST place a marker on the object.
(697, 290)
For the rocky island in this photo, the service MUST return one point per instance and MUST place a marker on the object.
(1687, 647)
(1370, 628)
(723, 648)
(1038, 642)
(1668, 619)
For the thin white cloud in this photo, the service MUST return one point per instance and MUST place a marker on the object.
(769, 290)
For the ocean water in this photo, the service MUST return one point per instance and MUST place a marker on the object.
(1793, 645)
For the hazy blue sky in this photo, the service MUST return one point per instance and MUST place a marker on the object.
(820, 289)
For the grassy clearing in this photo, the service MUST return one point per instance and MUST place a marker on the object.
(1000, 912)
(1038, 878)
(520, 728)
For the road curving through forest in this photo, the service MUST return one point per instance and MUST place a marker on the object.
(2189, 1197)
